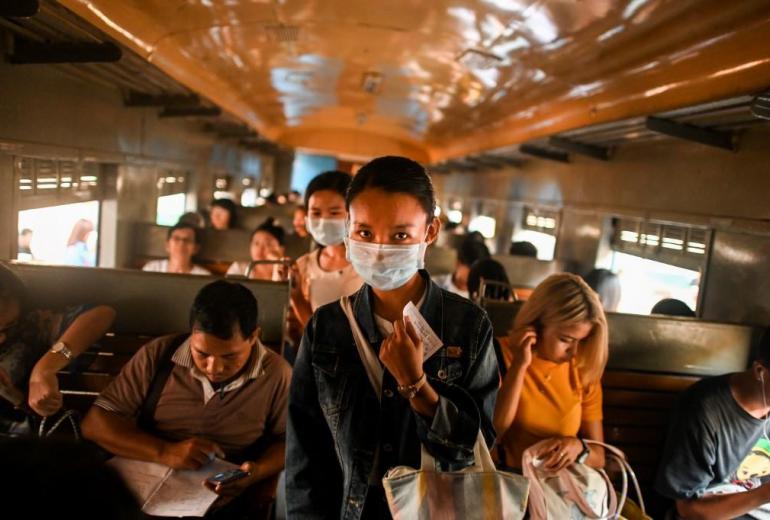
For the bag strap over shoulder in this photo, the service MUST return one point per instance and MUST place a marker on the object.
(371, 362)
(146, 419)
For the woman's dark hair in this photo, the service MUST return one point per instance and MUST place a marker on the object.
(395, 175)
(231, 208)
(471, 251)
(269, 226)
(12, 288)
(487, 269)
(221, 306)
(672, 307)
(523, 248)
(607, 285)
(333, 180)
(184, 225)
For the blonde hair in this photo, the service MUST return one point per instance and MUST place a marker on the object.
(565, 299)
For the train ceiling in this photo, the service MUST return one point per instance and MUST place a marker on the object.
(441, 79)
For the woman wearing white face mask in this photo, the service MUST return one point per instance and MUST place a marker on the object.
(342, 434)
(324, 275)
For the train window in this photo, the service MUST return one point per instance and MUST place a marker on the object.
(645, 282)
(484, 225)
(65, 234)
(306, 166)
(656, 260)
(539, 227)
(172, 197)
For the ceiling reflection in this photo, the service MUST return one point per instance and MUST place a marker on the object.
(431, 73)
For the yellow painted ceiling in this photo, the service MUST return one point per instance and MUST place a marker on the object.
(435, 78)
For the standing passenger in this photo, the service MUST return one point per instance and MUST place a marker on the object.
(182, 244)
(342, 437)
(77, 247)
(324, 275)
(555, 358)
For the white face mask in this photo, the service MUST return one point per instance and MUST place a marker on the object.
(326, 231)
(385, 266)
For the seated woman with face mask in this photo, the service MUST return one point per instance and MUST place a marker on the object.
(343, 435)
(555, 356)
(324, 275)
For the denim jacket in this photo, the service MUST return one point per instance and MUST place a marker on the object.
(336, 423)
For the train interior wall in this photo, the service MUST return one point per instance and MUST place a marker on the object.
(664, 180)
(45, 111)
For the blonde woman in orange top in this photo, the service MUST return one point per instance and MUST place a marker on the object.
(555, 356)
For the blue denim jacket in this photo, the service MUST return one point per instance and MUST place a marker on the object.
(335, 422)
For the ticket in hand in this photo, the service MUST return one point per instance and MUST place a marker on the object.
(430, 341)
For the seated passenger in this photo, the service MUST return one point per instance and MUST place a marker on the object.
(337, 420)
(182, 244)
(218, 391)
(488, 270)
(194, 218)
(607, 285)
(470, 251)
(672, 307)
(555, 357)
(223, 214)
(35, 344)
(523, 248)
(266, 243)
(298, 222)
(324, 275)
(717, 456)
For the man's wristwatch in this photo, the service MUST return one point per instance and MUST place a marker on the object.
(63, 349)
(409, 391)
(583, 454)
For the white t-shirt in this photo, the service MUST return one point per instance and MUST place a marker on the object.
(240, 268)
(161, 266)
(445, 282)
(320, 287)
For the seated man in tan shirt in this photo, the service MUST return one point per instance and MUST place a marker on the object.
(181, 400)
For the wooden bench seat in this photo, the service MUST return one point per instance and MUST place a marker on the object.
(637, 409)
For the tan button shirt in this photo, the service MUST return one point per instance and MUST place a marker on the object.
(248, 408)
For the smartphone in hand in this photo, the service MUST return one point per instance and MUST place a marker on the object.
(226, 477)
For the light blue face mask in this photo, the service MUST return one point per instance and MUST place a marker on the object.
(326, 231)
(385, 266)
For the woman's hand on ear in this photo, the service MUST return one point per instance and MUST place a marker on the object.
(523, 340)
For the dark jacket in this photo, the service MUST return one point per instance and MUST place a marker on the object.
(335, 422)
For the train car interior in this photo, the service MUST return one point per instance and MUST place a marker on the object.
(623, 141)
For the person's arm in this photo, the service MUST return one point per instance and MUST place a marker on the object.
(269, 463)
(449, 416)
(121, 436)
(313, 474)
(300, 306)
(44, 396)
(719, 507)
(522, 342)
